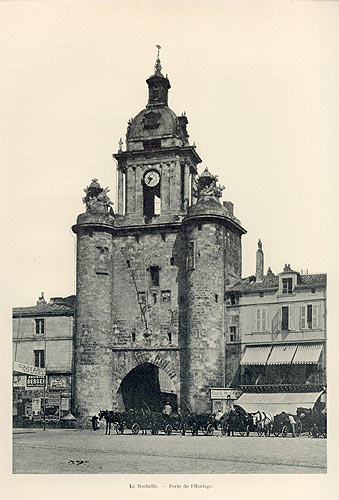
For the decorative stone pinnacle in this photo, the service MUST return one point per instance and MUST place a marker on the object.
(158, 66)
(259, 245)
(120, 144)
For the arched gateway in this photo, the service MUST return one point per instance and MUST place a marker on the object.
(145, 378)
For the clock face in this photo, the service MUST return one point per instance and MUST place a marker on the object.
(152, 178)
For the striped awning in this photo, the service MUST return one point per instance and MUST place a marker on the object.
(275, 403)
(307, 354)
(255, 355)
(281, 354)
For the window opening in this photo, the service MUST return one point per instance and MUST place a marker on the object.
(191, 255)
(154, 298)
(172, 261)
(287, 284)
(39, 359)
(154, 275)
(40, 326)
(233, 333)
(284, 318)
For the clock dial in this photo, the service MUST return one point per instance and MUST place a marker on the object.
(152, 178)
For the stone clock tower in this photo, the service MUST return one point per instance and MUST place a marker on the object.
(151, 276)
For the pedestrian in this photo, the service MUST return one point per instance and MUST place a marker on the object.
(292, 422)
(167, 409)
(95, 422)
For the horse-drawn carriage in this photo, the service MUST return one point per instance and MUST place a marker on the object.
(283, 424)
(195, 422)
(236, 421)
(312, 422)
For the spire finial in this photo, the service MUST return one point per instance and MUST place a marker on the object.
(157, 66)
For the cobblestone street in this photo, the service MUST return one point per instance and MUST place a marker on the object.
(85, 452)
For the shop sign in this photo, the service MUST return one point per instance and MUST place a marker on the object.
(28, 369)
(58, 381)
(64, 405)
(33, 381)
(28, 409)
(36, 405)
(225, 393)
(53, 399)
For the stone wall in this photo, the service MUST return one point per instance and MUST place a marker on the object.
(93, 337)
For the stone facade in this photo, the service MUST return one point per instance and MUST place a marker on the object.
(146, 316)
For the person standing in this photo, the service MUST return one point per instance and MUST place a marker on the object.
(95, 422)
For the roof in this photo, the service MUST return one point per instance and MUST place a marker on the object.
(57, 306)
(271, 281)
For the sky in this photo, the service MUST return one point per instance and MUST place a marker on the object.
(258, 82)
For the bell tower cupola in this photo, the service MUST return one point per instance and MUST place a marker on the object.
(158, 85)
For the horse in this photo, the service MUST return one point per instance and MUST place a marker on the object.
(263, 422)
(110, 417)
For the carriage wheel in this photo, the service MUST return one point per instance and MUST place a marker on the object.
(168, 429)
(135, 428)
(209, 430)
(119, 429)
(284, 431)
(298, 428)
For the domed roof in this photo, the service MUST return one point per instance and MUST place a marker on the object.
(152, 123)
(207, 206)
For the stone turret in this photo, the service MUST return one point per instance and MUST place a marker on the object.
(93, 319)
(213, 240)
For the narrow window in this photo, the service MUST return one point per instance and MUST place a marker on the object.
(309, 316)
(154, 275)
(191, 255)
(216, 297)
(40, 326)
(133, 336)
(172, 261)
(233, 333)
(154, 298)
(169, 337)
(284, 318)
(39, 359)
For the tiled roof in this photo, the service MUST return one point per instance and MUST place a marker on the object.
(58, 306)
(271, 281)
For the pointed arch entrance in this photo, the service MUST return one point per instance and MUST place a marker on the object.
(147, 383)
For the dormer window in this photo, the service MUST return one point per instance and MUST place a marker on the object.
(287, 285)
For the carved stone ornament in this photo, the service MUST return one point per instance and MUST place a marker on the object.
(96, 199)
(207, 185)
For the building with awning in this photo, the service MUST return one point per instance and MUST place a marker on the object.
(276, 338)
(275, 403)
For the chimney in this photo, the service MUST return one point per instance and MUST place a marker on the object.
(259, 268)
